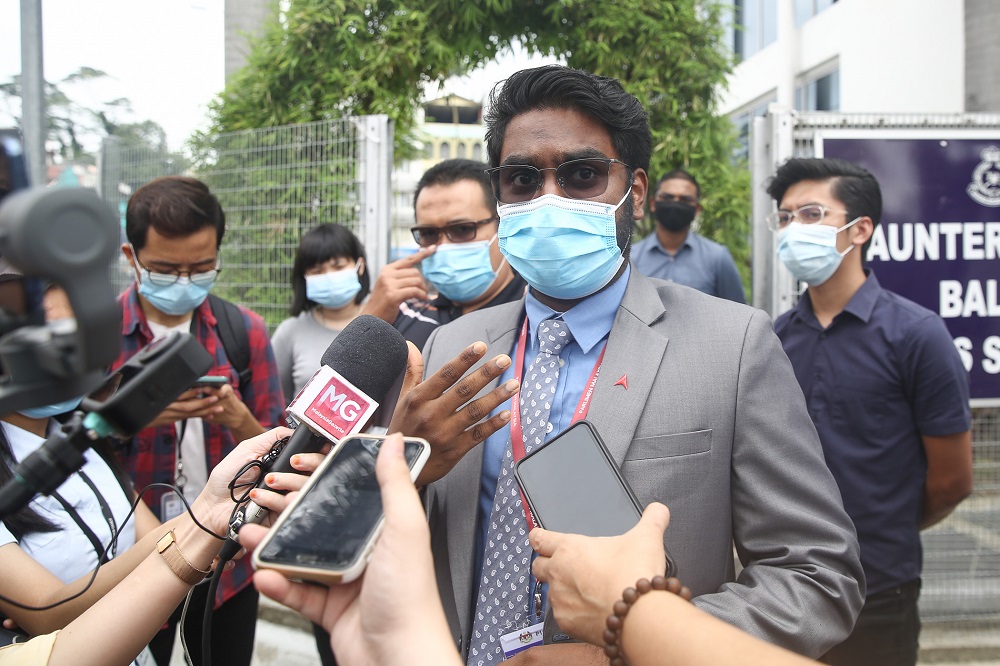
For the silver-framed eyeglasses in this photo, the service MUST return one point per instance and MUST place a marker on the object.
(811, 214)
(578, 179)
(200, 278)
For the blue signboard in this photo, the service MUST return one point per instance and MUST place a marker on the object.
(939, 239)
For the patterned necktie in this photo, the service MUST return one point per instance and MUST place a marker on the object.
(503, 586)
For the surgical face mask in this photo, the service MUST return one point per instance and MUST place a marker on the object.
(674, 215)
(46, 411)
(179, 298)
(564, 248)
(334, 289)
(809, 251)
(462, 272)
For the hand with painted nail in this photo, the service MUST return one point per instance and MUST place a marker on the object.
(214, 505)
(279, 487)
(444, 409)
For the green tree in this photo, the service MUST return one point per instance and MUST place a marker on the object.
(77, 129)
(323, 59)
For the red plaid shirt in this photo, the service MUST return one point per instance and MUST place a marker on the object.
(150, 457)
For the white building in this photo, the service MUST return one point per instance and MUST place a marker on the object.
(871, 56)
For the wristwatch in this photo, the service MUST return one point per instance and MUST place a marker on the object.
(168, 549)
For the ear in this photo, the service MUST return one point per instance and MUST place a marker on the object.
(130, 257)
(865, 228)
(361, 265)
(640, 185)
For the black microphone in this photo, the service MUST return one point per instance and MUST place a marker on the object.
(359, 367)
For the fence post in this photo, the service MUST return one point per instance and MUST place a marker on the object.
(375, 173)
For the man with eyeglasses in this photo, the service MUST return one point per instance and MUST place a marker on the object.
(692, 395)
(456, 230)
(675, 252)
(174, 227)
(885, 387)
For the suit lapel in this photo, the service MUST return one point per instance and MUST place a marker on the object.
(463, 482)
(631, 363)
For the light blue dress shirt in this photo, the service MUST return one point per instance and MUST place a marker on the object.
(699, 263)
(590, 322)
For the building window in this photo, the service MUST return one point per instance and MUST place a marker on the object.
(755, 25)
(477, 152)
(445, 151)
(806, 9)
(460, 153)
(820, 94)
(741, 121)
(429, 150)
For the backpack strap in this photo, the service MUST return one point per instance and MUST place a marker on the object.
(232, 331)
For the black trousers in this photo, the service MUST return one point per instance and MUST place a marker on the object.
(233, 627)
(887, 632)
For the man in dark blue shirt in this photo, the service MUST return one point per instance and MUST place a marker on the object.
(885, 387)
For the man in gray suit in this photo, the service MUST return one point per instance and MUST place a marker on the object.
(694, 397)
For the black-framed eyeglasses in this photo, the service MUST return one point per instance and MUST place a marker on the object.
(456, 232)
(200, 278)
(811, 214)
(578, 179)
(666, 197)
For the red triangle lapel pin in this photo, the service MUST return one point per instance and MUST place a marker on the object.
(623, 382)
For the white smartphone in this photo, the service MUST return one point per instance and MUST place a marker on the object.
(327, 533)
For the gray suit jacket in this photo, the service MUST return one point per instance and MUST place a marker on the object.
(712, 424)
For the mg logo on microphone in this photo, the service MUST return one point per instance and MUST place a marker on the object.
(330, 405)
(339, 402)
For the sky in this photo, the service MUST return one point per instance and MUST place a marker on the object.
(165, 56)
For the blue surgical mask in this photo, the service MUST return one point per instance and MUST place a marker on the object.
(46, 411)
(809, 251)
(462, 272)
(334, 289)
(564, 248)
(176, 299)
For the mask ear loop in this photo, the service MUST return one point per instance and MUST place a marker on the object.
(503, 257)
(135, 264)
(845, 228)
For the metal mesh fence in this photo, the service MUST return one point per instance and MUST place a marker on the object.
(961, 573)
(274, 185)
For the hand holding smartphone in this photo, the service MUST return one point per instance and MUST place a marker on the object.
(210, 381)
(572, 485)
(327, 533)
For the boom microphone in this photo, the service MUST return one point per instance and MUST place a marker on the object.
(359, 367)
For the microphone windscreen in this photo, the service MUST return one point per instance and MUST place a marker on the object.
(370, 354)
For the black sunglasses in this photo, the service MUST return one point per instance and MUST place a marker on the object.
(456, 232)
(579, 179)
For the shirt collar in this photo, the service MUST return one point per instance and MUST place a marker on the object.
(861, 305)
(590, 320)
(689, 242)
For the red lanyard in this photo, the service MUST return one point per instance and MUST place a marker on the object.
(516, 436)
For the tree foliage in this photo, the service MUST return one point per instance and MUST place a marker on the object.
(322, 59)
(77, 129)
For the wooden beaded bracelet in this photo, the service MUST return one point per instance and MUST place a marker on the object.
(615, 621)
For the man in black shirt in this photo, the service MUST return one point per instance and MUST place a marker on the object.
(456, 229)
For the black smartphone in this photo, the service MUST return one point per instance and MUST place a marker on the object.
(328, 532)
(572, 485)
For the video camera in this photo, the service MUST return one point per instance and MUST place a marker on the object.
(69, 237)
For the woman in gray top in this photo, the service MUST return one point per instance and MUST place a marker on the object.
(329, 282)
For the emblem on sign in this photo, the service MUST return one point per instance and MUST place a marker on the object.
(985, 185)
